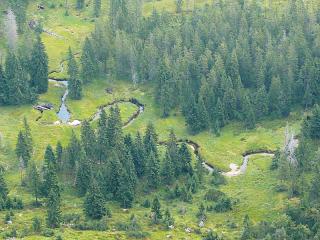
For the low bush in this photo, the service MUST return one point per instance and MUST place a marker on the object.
(100, 225)
(213, 195)
(138, 235)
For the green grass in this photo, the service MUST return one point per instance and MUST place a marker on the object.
(255, 189)
(220, 151)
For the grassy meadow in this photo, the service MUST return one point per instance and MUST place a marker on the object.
(254, 191)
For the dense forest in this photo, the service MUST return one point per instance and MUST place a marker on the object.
(223, 62)
(231, 60)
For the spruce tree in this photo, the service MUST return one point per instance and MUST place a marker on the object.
(3, 88)
(313, 194)
(74, 83)
(53, 208)
(39, 67)
(33, 180)
(229, 99)
(73, 150)
(114, 127)
(274, 93)
(138, 156)
(247, 228)
(83, 174)
(3, 187)
(211, 235)
(88, 63)
(11, 65)
(192, 116)
(185, 158)
(311, 125)
(150, 140)
(219, 115)
(173, 152)
(59, 155)
(284, 105)
(22, 150)
(18, 86)
(249, 117)
(261, 103)
(94, 203)
(203, 116)
(114, 171)
(156, 210)
(153, 170)
(179, 4)
(88, 140)
(27, 135)
(102, 138)
(168, 170)
(97, 8)
(54, 195)
(199, 169)
(49, 171)
(168, 219)
(125, 192)
(127, 162)
(80, 4)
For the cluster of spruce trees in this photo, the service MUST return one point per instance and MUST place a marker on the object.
(19, 8)
(6, 202)
(229, 60)
(80, 4)
(114, 164)
(24, 76)
(106, 165)
(42, 183)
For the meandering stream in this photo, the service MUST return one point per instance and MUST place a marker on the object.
(131, 119)
(64, 116)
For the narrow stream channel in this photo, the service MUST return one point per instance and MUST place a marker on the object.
(63, 113)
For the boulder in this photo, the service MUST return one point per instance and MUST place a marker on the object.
(75, 123)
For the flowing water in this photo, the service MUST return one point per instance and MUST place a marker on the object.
(63, 113)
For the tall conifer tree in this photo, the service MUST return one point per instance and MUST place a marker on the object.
(75, 83)
(39, 67)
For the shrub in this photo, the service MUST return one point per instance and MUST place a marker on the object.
(213, 195)
(17, 203)
(36, 224)
(72, 218)
(7, 218)
(146, 203)
(217, 178)
(10, 234)
(47, 232)
(223, 205)
(94, 225)
(138, 235)
(8, 203)
(169, 194)
(275, 161)
(59, 237)
(211, 236)
(280, 187)
(186, 195)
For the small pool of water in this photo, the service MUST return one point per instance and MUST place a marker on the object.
(63, 113)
